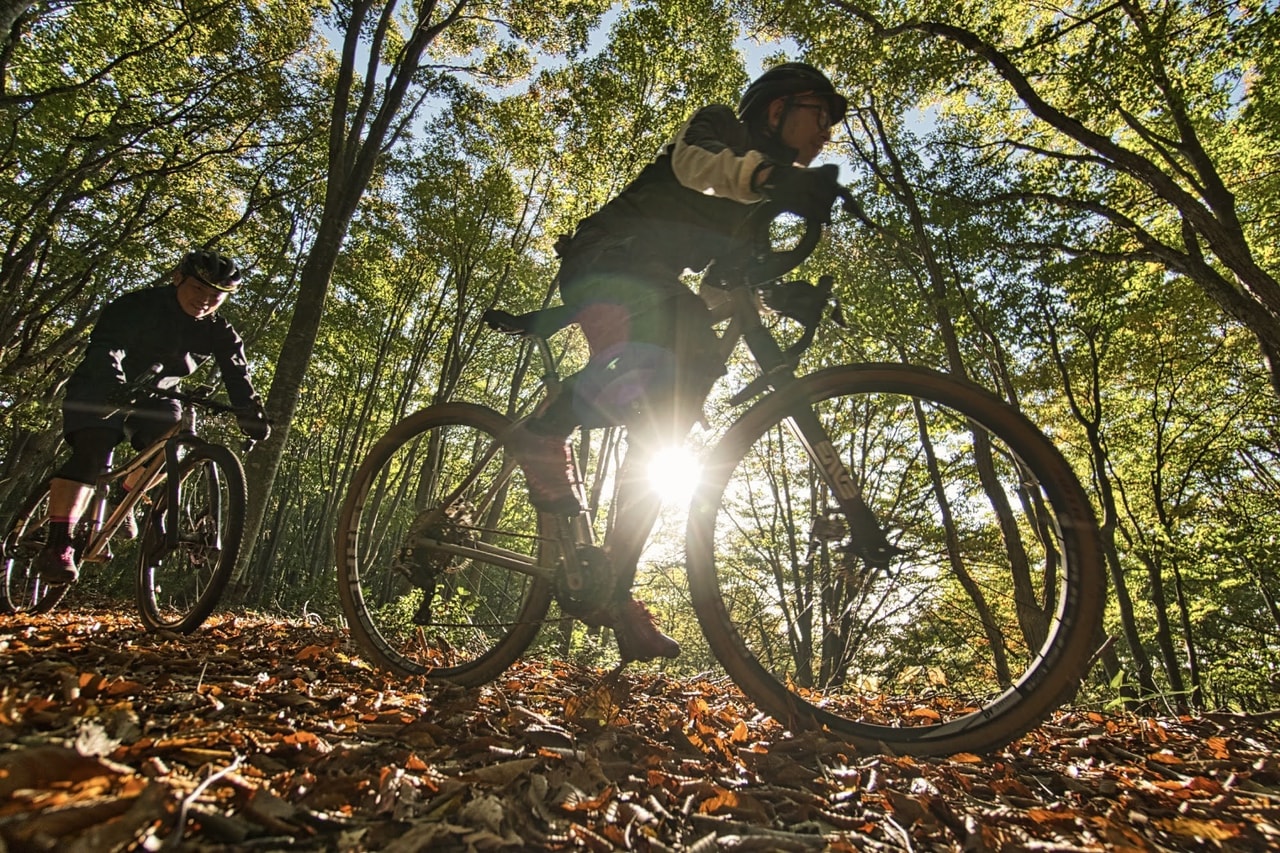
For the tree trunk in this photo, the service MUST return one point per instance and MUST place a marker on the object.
(356, 142)
(1089, 414)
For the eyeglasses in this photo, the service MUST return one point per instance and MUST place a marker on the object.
(824, 112)
(198, 280)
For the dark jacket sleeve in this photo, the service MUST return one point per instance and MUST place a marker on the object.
(228, 349)
(109, 343)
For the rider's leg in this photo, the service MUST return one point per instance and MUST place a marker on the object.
(69, 493)
(604, 301)
(670, 403)
(636, 511)
(541, 446)
(67, 501)
(633, 315)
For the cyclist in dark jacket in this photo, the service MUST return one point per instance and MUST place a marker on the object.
(175, 327)
(653, 348)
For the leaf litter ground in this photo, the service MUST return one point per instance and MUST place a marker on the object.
(257, 733)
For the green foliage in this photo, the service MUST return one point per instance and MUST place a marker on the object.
(1002, 247)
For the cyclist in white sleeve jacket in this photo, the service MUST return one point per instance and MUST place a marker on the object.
(652, 345)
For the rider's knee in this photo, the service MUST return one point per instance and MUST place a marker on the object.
(91, 451)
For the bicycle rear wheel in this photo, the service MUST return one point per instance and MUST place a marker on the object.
(973, 634)
(179, 587)
(22, 589)
(430, 518)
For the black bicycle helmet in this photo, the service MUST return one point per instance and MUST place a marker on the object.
(789, 78)
(217, 271)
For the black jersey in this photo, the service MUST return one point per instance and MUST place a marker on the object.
(685, 208)
(147, 327)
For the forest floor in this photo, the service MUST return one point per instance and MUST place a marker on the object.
(258, 733)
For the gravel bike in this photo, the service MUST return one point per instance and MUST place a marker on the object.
(884, 551)
(194, 496)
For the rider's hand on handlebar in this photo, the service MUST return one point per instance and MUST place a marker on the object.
(253, 422)
(809, 193)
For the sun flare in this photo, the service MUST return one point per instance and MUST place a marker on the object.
(674, 473)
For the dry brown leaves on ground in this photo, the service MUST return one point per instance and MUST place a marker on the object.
(256, 733)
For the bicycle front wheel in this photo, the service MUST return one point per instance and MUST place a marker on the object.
(434, 534)
(23, 590)
(979, 626)
(179, 586)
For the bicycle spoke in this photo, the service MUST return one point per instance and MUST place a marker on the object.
(21, 587)
(183, 572)
(970, 616)
(435, 519)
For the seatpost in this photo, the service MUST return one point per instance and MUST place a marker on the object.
(97, 513)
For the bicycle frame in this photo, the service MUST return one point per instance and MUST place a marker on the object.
(741, 308)
(155, 461)
(738, 302)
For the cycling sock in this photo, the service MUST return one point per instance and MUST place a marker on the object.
(59, 531)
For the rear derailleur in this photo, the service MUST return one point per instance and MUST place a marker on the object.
(422, 562)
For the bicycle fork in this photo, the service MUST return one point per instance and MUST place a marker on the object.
(211, 537)
(867, 538)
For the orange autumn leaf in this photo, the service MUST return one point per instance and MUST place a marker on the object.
(310, 653)
(123, 687)
(721, 800)
(1214, 830)
(301, 738)
(576, 802)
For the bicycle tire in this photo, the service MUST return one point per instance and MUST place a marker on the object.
(479, 617)
(177, 589)
(22, 589)
(929, 654)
